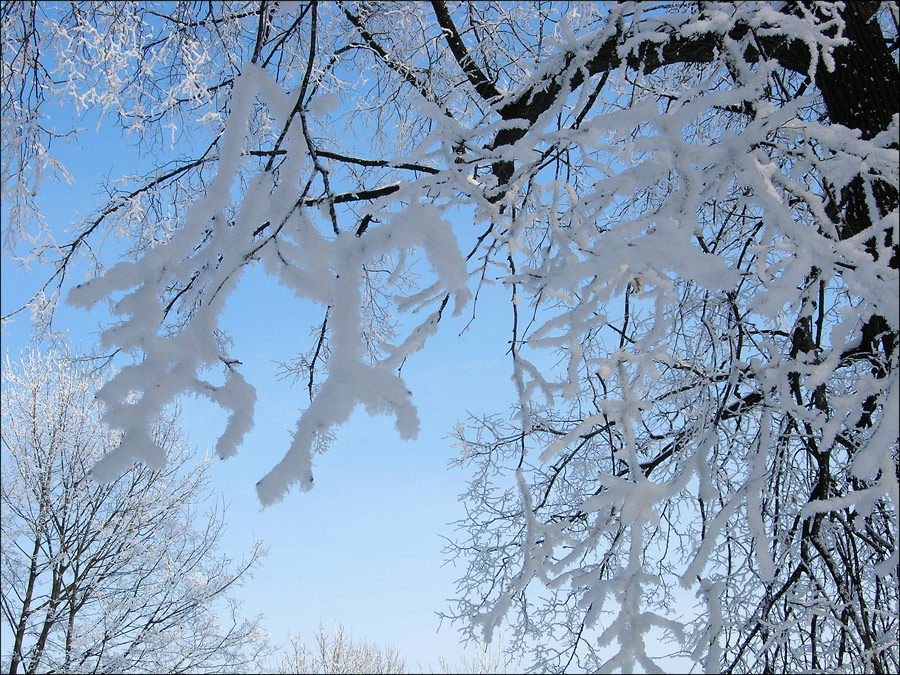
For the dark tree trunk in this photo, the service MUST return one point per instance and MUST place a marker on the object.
(862, 92)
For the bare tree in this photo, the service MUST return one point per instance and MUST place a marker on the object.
(691, 207)
(121, 577)
(485, 660)
(337, 652)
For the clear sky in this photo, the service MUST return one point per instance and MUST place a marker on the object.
(364, 547)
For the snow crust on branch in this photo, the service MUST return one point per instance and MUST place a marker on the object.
(702, 271)
(206, 259)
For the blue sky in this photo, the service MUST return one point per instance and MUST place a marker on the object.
(364, 547)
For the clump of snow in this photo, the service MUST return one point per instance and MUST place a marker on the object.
(323, 104)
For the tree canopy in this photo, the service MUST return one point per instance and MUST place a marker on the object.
(692, 208)
(121, 577)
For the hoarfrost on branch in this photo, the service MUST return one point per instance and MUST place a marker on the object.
(692, 207)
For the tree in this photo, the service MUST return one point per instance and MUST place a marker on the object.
(692, 208)
(336, 653)
(121, 577)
